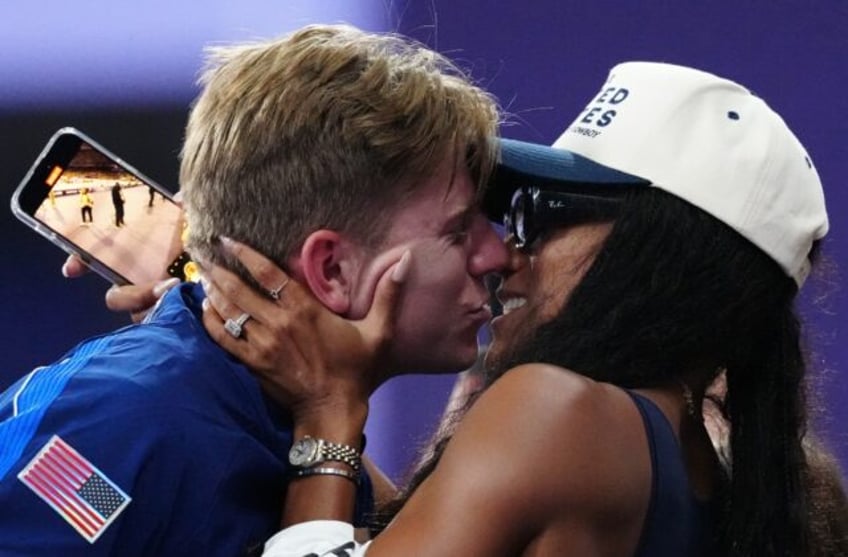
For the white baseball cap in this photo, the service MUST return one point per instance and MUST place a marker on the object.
(702, 138)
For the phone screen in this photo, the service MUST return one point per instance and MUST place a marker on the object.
(88, 201)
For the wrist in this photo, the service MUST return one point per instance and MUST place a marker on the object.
(336, 422)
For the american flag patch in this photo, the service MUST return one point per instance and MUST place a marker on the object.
(75, 488)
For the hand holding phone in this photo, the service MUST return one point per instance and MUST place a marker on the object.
(135, 299)
(89, 202)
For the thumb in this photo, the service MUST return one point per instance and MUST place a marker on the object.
(378, 325)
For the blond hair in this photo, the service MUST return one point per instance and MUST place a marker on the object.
(328, 127)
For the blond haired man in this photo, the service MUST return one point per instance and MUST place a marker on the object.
(333, 152)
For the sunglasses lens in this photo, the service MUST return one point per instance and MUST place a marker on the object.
(515, 218)
(518, 217)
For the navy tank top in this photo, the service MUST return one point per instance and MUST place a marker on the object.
(676, 524)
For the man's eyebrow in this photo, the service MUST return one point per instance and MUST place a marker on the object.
(463, 216)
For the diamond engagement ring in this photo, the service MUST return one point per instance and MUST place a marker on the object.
(234, 326)
(276, 292)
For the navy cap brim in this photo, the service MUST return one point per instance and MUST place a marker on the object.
(532, 164)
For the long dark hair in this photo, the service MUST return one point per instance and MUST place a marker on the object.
(674, 291)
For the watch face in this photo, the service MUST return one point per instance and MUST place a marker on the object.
(304, 452)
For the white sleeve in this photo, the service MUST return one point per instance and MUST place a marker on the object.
(317, 538)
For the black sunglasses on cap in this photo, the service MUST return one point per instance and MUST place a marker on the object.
(532, 210)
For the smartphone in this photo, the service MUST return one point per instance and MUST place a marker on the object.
(89, 202)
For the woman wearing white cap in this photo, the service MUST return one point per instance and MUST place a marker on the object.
(657, 246)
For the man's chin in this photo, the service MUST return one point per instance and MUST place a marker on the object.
(458, 362)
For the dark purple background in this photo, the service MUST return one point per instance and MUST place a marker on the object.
(543, 59)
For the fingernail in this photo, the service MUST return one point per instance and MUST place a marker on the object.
(228, 242)
(113, 290)
(204, 283)
(205, 304)
(65, 269)
(402, 268)
(165, 285)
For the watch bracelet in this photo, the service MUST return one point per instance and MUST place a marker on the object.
(325, 471)
(346, 454)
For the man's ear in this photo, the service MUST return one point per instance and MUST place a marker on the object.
(329, 264)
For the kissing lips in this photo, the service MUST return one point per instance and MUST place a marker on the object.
(482, 314)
